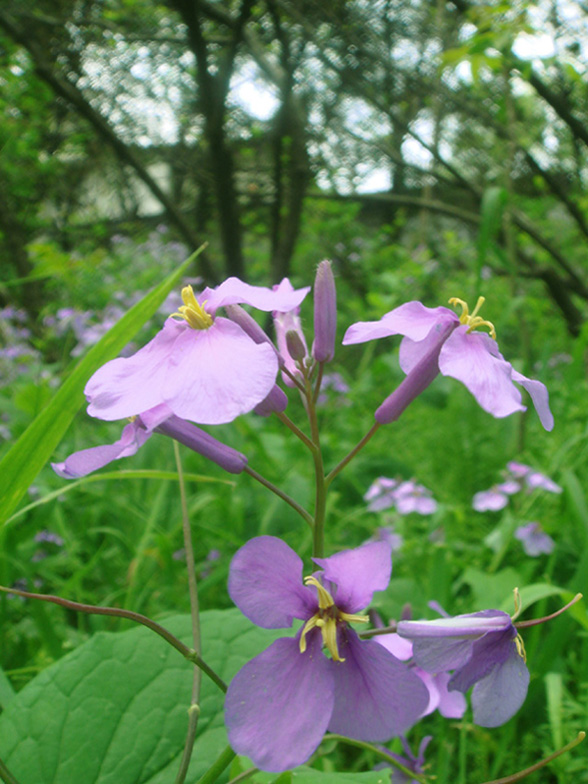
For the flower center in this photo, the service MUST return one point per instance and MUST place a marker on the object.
(192, 311)
(326, 619)
(472, 320)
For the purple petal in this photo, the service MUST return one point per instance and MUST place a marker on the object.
(534, 540)
(89, 460)
(452, 704)
(127, 386)
(496, 698)
(358, 573)
(376, 696)
(213, 375)
(489, 501)
(510, 487)
(412, 319)
(535, 479)
(278, 705)
(518, 470)
(234, 291)
(539, 396)
(487, 652)
(396, 645)
(473, 358)
(265, 582)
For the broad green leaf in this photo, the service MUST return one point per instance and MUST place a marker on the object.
(532, 593)
(6, 690)
(114, 711)
(491, 591)
(32, 451)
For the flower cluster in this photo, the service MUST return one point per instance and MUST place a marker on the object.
(405, 497)
(517, 477)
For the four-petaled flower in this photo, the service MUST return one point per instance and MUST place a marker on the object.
(482, 648)
(204, 367)
(280, 704)
(470, 356)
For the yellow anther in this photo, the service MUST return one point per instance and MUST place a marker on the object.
(472, 320)
(192, 311)
(324, 597)
(518, 641)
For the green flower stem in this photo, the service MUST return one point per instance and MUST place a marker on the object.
(536, 621)
(351, 454)
(360, 744)
(194, 710)
(216, 769)
(390, 629)
(6, 775)
(320, 502)
(243, 776)
(296, 430)
(117, 612)
(527, 771)
(284, 496)
(318, 382)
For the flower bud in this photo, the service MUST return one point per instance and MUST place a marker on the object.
(276, 401)
(419, 378)
(295, 346)
(203, 443)
(248, 324)
(325, 313)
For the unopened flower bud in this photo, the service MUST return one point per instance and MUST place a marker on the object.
(419, 378)
(276, 401)
(325, 313)
(203, 443)
(295, 346)
(248, 324)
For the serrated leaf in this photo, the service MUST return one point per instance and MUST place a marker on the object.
(114, 711)
(32, 451)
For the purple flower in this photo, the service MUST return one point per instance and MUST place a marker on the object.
(469, 356)
(137, 432)
(496, 498)
(534, 539)
(280, 704)
(205, 368)
(484, 650)
(415, 764)
(406, 497)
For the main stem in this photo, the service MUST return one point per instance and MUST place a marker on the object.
(194, 710)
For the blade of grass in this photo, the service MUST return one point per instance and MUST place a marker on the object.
(31, 452)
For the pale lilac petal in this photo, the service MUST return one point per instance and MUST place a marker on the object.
(381, 485)
(412, 319)
(534, 540)
(376, 696)
(452, 704)
(488, 651)
(489, 500)
(535, 479)
(155, 416)
(127, 386)
(265, 582)
(428, 680)
(234, 291)
(539, 396)
(510, 487)
(215, 374)
(473, 358)
(496, 698)
(88, 460)
(413, 351)
(518, 470)
(278, 705)
(396, 645)
(358, 573)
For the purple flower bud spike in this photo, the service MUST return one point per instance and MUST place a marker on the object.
(325, 313)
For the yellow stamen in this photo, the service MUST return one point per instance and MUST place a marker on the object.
(518, 641)
(192, 311)
(326, 619)
(472, 320)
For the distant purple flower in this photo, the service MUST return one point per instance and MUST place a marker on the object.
(496, 498)
(519, 474)
(50, 537)
(137, 432)
(388, 534)
(205, 368)
(534, 539)
(280, 704)
(406, 497)
(484, 650)
(333, 383)
(469, 356)
(415, 764)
